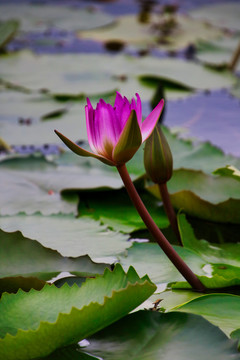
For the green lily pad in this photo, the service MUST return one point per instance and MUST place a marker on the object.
(149, 258)
(204, 196)
(218, 53)
(225, 253)
(224, 15)
(222, 259)
(221, 310)
(129, 31)
(229, 171)
(49, 72)
(36, 323)
(34, 17)
(17, 254)
(117, 211)
(155, 336)
(69, 236)
(31, 185)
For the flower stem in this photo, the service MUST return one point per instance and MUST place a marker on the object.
(156, 232)
(234, 60)
(169, 210)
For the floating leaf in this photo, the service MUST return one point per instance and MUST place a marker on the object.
(76, 314)
(32, 185)
(221, 310)
(34, 17)
(204, 196)
(225, 15)
(129, 31)
(222, 259)
(155, 336)
(229, 171)
(49, 72)
(219, 53)
(70, 236)
(116, 210)
(149, 258)
(16, 259)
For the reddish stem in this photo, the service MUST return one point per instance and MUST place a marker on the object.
(156, 232)
(169, 210)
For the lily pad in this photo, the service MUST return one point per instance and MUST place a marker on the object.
(69, 236)
(223, 15)
(149, 258)
(226, 253)
(115, 210)
(221, 310)
(129, 31)
(218, 53)
(17, 254)
(155, 336)
(34, 17)
(204, 196)
(32, 184)
(47, 327)
(229, 171)
(50, 73)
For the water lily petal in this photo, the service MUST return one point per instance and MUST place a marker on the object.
(129, 141)
(139, 109)
(80, 151)
(89, 113)
(151, 120)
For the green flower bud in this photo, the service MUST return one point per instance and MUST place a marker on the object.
(158, 160)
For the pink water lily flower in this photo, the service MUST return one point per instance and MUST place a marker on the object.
(115, 132)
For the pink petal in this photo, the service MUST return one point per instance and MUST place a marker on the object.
(89, 113)
(151, 120)
(106, 129)
(139, 110)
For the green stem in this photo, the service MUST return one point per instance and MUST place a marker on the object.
(156, 232)
(169, 210)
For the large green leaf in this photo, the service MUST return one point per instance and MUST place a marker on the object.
(34, 17)
(70, 236)
(222, 310)
(229, 171)
(204, 196)
(115, 209)
(50, 72)
(149, 258)
(33, 184)
(36, 323)
(225, 253)
(17, 253)
(155, 336)
(223, 259)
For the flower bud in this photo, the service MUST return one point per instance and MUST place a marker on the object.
(158, 160)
